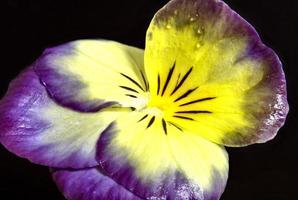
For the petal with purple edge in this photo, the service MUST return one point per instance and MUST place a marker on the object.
(33, 126)
(90, 184)
(89, 75)
(212, 66)
(158, 160)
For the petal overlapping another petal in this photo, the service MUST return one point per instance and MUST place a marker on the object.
(89, 75)
(128, 124)
(33, 126)
(90, 184)
(158, 162)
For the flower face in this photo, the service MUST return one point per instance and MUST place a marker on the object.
(119, 123)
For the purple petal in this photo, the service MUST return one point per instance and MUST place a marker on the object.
(89, 75)
(90, 184)
(34, 127)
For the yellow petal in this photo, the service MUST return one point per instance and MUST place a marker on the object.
(209, 73)
(88, 75)
(155, 159)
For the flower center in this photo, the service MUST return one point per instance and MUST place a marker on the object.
(168, 102)
(161, 105)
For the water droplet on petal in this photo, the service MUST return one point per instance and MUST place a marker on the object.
(192, 19)
(175, 12)
(200, 30)
(198, 45)
(149, 36)
(168, 26)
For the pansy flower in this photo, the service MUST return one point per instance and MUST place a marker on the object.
(120, 123)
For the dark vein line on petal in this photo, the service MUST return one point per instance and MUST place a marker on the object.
(168, 79)
(188, 92)
(133, 81)
(196, 101)
(181, 117)
(178, 79)
(144, 80)
(143, 118)
(193, 112)
(182, 81)
(151, 121)
(132, 96)
(164, 125)
(176, 126)
(128, 88)
(158, 84)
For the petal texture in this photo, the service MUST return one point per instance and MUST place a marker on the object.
(156, 160)
(90, 184)
(222, 81)
(35, 127)
(89, 75)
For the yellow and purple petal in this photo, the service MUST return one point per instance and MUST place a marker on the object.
(206, 80)
(90, 184)
(33, 126)
(157, 160)
(89, 75)
(210, 72)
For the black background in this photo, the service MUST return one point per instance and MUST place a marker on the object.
(258, 172)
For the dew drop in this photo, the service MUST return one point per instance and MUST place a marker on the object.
(192, 19)
(149, 36)
(200, 31)
(198, 45)
(175, 12)
(168, 26)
